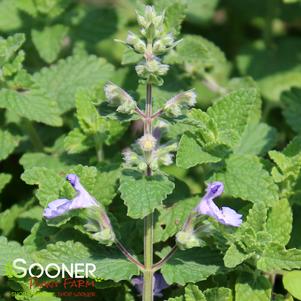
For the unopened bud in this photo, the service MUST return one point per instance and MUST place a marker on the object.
(147, 142)
(174, 105)
(106, 237)
(163, 44)
(118, 97)
(188, 240)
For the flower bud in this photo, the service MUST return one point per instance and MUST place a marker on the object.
(132, 38)
(106, 237)
(183, 100)
(162, 44)
(134, 41)
(118, 97)
(147, 142)
(187, 240)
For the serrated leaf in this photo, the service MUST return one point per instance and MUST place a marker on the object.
(191, 265)
(10, 20)
(292, 108)
(33, 105)
(251, 287)
(279, 223)
(257, 139)
(193, 293)
(51, 183)
(109, 262)
(232, 113)
(4, 180)
(174, 13)
(291, 282)
(141, 194)
(191, 153)
(77, 142)
(276, 258)
(9, 251)
(49, 41)
(8, 143)
(235, 256)
(218, 294)
(246, 178)
(171, 219)
(197, 55)
(61, 81)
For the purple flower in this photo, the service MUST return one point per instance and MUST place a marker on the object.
(225, 215)
(158, 280)
(82, 200)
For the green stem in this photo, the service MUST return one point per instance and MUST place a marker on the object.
(33, 135)
(148, 220)
(98, 148)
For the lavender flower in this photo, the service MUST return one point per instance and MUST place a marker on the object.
(158, 280)
(82, 200)
(225, 215)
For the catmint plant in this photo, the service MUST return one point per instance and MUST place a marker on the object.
(145, 158)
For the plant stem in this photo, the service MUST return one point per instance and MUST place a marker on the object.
(148, 220)
(98, 148)
(33, 135)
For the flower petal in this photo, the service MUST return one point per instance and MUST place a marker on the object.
(57, 208)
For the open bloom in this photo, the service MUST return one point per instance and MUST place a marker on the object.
(225, 215)
(82, 200)
(159, 284)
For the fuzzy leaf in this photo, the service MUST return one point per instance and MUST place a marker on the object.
(233, 112)
(218, 294)
(193, 293)
(110, 263)
(191, 153)
(246, 178)
(9, 251)
(291, 282)
(279, 223)
(49, 41)
(251, 287)
(61, 81)
(191, 265)
(33, 105)
(141, 194)
(8, 143)
(276, 258)
(4, 180)
(292, 108)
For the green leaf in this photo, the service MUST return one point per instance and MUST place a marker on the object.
(171, 219)
(291, 282)
(77, 142)
(174, 13)
(53, 185)
(276, 258)
(33, 105)
(197, 55)
(4, 180)
(191, 265)
(10, 19)
(218, 294)
(251, 287)
(109, 262)
(49, 41)
(279, 223)
(257, 139)
(245, 178)
(191, 153)
(9, 251)
(201, 11)
(141, 194)
(193, 293)
(8, 143)
(62, 80)
(233, 112)
(235, 256)
(292, 108)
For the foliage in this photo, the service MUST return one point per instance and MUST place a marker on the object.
(62, 75)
